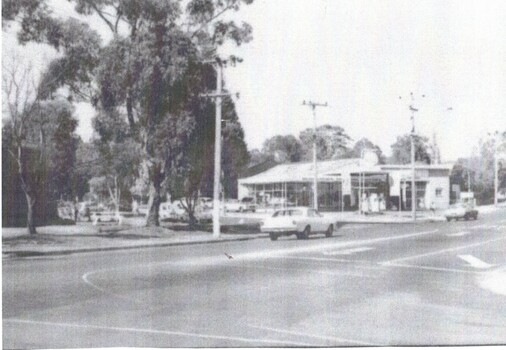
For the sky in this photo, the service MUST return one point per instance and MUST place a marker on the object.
(360, 57)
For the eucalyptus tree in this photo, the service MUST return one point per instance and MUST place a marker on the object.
(401, 150)
(39, 135)
(331, 142)
(147, 74)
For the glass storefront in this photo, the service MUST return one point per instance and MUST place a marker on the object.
(276, 195)
(420, 195)
(368, 184)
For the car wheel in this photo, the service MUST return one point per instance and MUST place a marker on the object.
(240, 209)
(305, 234)
(329, 231)
(466, 217)
(475, 216)
(273, 236)
(448, 219)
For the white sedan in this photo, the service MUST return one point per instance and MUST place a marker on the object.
(300, 221)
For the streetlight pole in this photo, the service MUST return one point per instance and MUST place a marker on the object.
(313, 106)
(217, 153)
(217, 96)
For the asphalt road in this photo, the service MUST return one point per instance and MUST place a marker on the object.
(430, 284)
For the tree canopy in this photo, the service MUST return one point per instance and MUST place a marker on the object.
(331, 142)
(39, 135)
(144, 82)
(366, 144)
(283, 148)
(401, 150)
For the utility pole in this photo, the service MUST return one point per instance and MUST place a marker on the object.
(313, 106)
(413, 170)
(217, 96)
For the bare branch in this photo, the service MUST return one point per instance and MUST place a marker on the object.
(102, 14)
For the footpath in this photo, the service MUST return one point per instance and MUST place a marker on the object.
(84, 237)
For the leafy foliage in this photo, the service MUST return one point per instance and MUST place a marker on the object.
(401, 150)
(145, 82)
(283, 148)
(39, 136)
(331, 142)
(366, 144)
(477, 173)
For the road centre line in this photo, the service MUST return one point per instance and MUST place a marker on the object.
(430, 268)
(458, 234)
(155, 331)
(323, 259)
(326, 245)
(316, 336)
(349, 251)
(322, 272)
(219, 259)
(389, 262)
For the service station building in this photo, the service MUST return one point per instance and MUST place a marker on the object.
(341, 184)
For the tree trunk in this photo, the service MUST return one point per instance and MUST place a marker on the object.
(155, 199)
(192, 220)
(30, 215)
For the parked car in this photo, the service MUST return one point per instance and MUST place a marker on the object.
(176, 210)
(461, 211)
(245, 204)
(300, 221)
(106, 216)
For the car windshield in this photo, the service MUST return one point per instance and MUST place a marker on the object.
(247, 200)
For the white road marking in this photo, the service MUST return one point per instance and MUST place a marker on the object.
(219, 259)
(316, 336)
(326, 245)
(440, 251)
(494, 281)
(458, 234)
(348, 251)
(475, 262)
(156, 331)
(322, 259)
(429, 268)
(86, 280)
(483, 227)
(322, 272)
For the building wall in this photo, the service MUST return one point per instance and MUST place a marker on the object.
(442, 200)
(242, 191)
